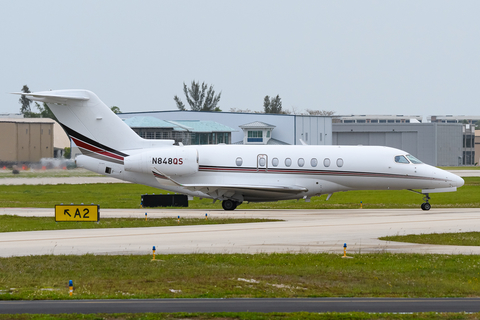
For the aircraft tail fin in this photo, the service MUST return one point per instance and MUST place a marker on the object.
(91, 124)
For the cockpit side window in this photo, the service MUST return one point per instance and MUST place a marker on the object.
(401, 159)
(413, 159)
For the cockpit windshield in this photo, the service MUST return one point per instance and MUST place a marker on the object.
(408, 158)
(401, 159)
(413, 159)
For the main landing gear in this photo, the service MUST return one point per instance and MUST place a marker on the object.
(426, 205)
(229, 204)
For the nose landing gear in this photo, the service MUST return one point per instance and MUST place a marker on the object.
(426, 205)
(426, 197)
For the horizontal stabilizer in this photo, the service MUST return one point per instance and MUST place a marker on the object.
(55, 96)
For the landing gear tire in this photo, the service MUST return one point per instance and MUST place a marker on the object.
(426, 206)
(229, 205)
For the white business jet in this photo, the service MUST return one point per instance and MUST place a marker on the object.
(234, 173)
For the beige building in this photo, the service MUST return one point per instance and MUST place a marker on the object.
(30, 139)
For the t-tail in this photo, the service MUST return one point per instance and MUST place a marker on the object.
(92, 126)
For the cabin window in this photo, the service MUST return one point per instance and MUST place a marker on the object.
(288, 162)
(239, 161)
(261, 162)
(313, 162)
(339, 162)
(413, 159)
(326, 162)
(401, 159)
(275, 162)
(301, 162)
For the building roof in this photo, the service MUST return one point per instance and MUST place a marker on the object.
(378, 116)
(448, 117)
(257, 125)
(148, 122)
(203, 126)
(177, 125)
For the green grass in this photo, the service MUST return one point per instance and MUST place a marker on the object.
(248, 316)
(240, 275)
(454, 239)
(117, 195)
(15, 223)
(128, 196)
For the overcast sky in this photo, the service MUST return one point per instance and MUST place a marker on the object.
(351, 57)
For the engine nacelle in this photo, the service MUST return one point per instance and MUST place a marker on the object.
(172, 161)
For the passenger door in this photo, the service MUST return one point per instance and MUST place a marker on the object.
(262, 162)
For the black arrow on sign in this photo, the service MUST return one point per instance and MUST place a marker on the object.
(66, 212)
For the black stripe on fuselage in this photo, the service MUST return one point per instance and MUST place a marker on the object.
(79, 136)
(99, 156)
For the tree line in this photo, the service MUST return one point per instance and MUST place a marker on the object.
(200, 97)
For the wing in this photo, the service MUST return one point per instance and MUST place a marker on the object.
(238, 192)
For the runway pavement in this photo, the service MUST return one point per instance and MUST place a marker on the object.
(466, 173)
(58, 180)
(302, 231)
(242, 305)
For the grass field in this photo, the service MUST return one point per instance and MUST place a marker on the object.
(240, 275)
(457, 239)
(128, 196)
(15, 223)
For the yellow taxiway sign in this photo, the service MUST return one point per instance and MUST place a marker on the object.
(74, 212)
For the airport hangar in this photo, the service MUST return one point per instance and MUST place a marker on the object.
(27, 140)
(438, 144)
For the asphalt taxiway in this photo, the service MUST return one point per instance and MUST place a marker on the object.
(242, 305)
(301, 231)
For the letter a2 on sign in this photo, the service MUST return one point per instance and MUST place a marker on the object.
(74, 212)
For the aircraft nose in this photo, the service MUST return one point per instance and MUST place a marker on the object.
(457, 181)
